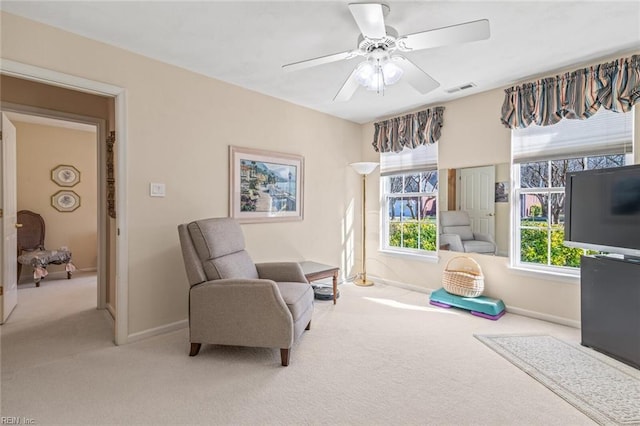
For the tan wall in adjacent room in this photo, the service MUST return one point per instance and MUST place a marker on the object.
(25, 92)
(39, 149)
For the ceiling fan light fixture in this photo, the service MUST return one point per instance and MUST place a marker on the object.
(365, 73)
(376, 83)
(374, 74)
(391, 72)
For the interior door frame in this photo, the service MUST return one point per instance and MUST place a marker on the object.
(101, 222)
(55, 78)
(8, 221)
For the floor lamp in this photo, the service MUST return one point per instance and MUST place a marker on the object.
(364, 169)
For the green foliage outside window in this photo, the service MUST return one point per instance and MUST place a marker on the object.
(533, 243)
(413, 234)
(535, 210)
(549, 178)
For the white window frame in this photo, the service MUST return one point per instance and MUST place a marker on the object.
(517, 228)
(581, 152)
(386, 195)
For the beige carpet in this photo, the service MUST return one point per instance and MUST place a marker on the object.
(382, 355)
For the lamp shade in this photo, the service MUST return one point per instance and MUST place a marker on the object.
(375, 73)
(391, 72)
(364, 168)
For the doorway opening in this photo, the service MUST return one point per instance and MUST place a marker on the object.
(47, 151)
(111, 239)
(45, 142)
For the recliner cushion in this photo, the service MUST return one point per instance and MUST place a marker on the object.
(465, 232)
(478, 246)
(235, 265)
(454, 218)
(216, 237)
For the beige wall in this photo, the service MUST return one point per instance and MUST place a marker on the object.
(39, 149)
(179, 135)
(473, 135)
(180, 125)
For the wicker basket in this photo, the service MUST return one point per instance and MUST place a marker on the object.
(463, 276)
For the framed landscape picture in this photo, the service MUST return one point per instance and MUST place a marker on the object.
(265, 186)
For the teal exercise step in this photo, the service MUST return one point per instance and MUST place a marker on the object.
(481, 306)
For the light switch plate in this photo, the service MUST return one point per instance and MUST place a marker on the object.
(157, 189)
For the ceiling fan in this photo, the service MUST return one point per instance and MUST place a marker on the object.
(379, 45)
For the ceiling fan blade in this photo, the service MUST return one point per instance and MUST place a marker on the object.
(455, 34)
(308, 63)
(348, 88)
(370, 18)
(418, 79)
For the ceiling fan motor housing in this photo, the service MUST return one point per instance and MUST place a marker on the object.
(387, 43)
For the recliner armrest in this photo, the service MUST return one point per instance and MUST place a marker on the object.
(218, 307)
(454, 241)
(281, 271)
(241, 293)
(239, 287)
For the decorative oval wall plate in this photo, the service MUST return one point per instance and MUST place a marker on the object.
(65, 175)
(65, 201)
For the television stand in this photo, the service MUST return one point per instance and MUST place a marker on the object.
(610, 307)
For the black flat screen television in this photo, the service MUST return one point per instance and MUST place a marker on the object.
(602, 210)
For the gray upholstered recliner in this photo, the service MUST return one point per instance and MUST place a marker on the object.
(455, 228)
(233, 301)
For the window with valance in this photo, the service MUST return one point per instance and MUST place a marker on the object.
(409, 177)
(408, 131)
(597, 133)
(614, 86)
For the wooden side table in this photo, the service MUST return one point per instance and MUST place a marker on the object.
(315, 271)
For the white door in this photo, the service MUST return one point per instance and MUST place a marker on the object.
(8, 219)
(477, 197)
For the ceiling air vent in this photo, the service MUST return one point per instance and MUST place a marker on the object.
(459, 88)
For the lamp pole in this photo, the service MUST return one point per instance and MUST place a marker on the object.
(364, 169)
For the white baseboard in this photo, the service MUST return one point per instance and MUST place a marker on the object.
(141, 335)
(108, 314)
(111, 310)
(401, 285)
(545, 317)
(57, 275)
(510, 309)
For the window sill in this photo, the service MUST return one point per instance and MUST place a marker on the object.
(547, 274)
(430, 257)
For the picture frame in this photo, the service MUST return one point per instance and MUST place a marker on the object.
(502, 192)
(65, 201)
(65, 175)
(265, 186)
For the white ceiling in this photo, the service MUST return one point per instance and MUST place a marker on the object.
(246, 43)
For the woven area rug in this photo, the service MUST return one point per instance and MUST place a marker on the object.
(604, 389)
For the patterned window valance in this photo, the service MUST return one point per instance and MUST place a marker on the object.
(411, 130)
(578, 94)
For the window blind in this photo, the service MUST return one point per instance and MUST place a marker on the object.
(423, 157)
(604, 132)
